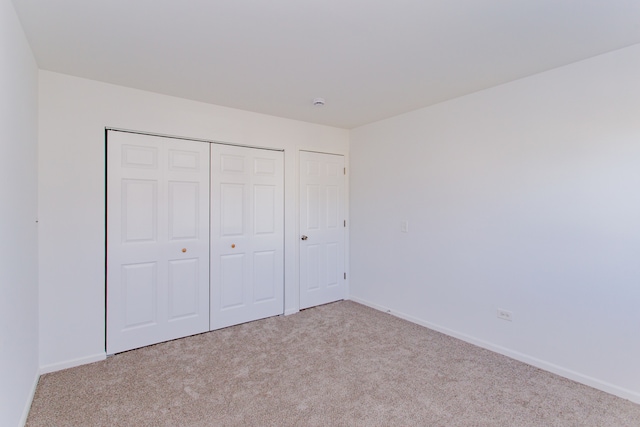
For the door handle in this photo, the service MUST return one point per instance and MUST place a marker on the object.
(304, 237)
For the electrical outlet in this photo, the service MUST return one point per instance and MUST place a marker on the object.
(505, 315)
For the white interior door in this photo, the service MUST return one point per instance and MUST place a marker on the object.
(322, 229)
(247, 234)
(157, 239)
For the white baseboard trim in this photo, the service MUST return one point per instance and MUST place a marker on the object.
(72, 363)
(624, 393)
(291, 311)
(27, 405)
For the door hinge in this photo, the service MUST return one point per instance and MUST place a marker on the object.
(345, 276)
(345, 222)
(345, 171)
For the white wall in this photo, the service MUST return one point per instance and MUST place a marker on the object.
(524, 197)
(18, 210)
(73, 115)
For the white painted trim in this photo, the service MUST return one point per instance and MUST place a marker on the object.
(538, 363)
(347, 230)
(72, 363)
(291, 311)
(334, 151)
(27, 405)
(186, 138)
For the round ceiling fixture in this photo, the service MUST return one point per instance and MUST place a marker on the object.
(318, 102)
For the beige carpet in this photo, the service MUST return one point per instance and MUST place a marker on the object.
(342, 364)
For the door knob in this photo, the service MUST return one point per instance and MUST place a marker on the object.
(184, 250)
(304, 237)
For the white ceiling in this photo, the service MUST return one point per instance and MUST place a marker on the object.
(369, 59)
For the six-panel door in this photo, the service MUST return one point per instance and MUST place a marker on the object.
(247, 234)
(322, 229)
(157, 239)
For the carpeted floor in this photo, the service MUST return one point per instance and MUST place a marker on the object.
(341, 364)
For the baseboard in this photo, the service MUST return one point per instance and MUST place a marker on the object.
(72, 363)
(291, 311)
(538, 363)
(27, 405)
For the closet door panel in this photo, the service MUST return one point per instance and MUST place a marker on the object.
(157, 239)
(247, 234)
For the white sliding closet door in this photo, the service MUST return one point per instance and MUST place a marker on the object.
(157, 239)
(247, 234)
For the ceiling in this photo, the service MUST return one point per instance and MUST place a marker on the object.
(369, 59)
